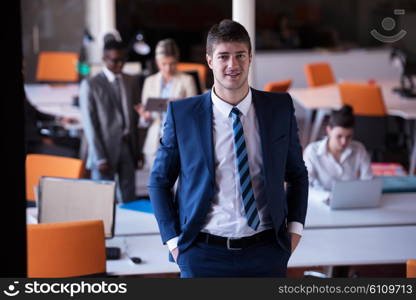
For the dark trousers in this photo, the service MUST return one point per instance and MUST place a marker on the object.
(261, 260)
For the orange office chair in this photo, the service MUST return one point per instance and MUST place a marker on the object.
(318, 74)
(57, 67)
(278, 86)
(411, 268)
(67, 249)
(366, 99)
(370, 115)
(38, 165)
(200, 68)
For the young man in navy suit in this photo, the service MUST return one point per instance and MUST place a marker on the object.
(232, 149)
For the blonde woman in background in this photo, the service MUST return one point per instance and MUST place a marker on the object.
(167, 83)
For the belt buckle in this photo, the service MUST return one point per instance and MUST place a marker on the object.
(228, 244)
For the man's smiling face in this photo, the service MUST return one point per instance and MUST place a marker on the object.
(230, 63)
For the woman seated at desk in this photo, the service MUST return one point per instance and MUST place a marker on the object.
(337, 157)
(167, 83)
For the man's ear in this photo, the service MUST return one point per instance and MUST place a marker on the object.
(209, 60)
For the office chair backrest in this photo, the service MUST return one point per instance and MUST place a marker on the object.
(370, 116)
(365, 99)
(411, 268)
(318, 74)
(57, 67)
(38, 165)
(200, 68)
(68, 249)
(278, 86)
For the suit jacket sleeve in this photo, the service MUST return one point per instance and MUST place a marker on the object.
(90, 121)
(162, 179)
(296, 176)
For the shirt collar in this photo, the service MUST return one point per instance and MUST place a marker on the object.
(225, 108)
(110, 75)
(323, 149)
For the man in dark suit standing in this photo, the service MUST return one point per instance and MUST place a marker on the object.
(110, 122)
(233, 149)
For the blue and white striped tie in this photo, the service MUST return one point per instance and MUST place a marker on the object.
(246, 189)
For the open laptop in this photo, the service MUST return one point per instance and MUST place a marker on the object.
(356, 194)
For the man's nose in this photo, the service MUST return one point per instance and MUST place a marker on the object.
(232, 62)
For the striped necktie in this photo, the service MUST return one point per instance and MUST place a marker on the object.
(246, 189)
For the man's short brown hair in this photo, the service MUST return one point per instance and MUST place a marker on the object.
(227, 31)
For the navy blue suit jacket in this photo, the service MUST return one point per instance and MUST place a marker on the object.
(186, 150)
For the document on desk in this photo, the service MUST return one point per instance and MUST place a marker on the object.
(64, 200)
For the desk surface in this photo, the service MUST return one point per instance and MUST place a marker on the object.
(328, 97)
(395, 209)
(47, 94)
(56, 100)
(128, 222)
(318, 247)
(149, 248)
(355, 246)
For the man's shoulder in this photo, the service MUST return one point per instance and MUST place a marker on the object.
(96, 80)
(275, 98)
(190, 102)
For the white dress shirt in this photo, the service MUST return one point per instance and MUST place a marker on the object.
(324, 170)
(226, 216)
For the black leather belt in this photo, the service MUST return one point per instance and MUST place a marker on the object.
(237, 243)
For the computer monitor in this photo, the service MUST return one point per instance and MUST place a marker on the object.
(65, 200)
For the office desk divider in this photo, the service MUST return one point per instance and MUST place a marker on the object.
(63, 200)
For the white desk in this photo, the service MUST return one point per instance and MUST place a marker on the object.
(355, 246)
(149, 248)
(128, 222)
(327, 97)
(395, 209)
(56, 100)
(318, 247)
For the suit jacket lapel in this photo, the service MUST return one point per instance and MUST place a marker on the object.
(110, 89)
(264, 127)
(203, 117)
